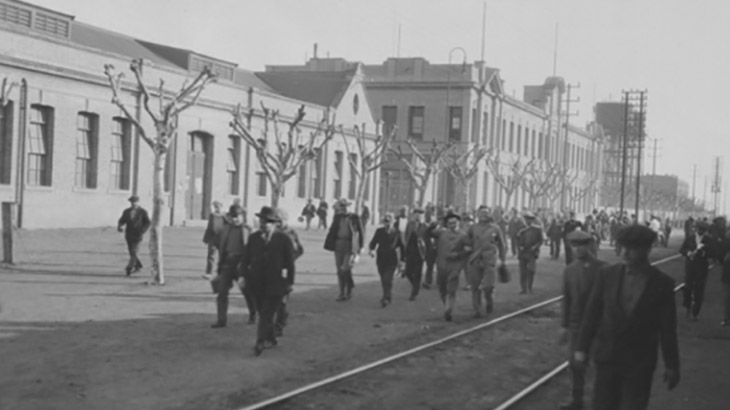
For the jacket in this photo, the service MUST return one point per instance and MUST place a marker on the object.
(245, 231)
(135, 227)
(700, 260)
(264, 263)
(578, 280)
(216, 224)
(631, 338)
(419, 231)
(355, 228)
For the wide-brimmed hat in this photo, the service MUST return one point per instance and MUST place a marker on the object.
(528, 214)
(579, 238)
(268, 213)
(343, 202)
(133, 198)
(235, 210)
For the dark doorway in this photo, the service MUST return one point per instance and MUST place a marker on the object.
(199, 162)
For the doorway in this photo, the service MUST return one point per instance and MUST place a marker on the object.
(199, 160)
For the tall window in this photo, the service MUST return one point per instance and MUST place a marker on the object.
(485, 129)
(390, 118)
(233, 164)
(366, 193)
(503, 145)
(511, 136)
(120, 158)
(353, 177)
(519, 140)
(87, 138)
(338, 174)
(455, 123)
(6, 142)
(302, 181)
(40, 146)
(534, 143)
(474, 125)
(415, 122)
(262, 183)
(316, 172)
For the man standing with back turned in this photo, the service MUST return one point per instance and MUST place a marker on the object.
(632, 311)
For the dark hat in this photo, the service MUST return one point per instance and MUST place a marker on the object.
(703, 225)
(418, 210)
(133, 198)
(235, 210)
(528, 214)
(636, 236)
(268, 213)
(452, 214)
(579, 238)
(343, 202)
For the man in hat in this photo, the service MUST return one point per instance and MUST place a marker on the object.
(282, 314)
(632, 312)
(488, 246)
(452, 248)
(268, 253)
(322, 210)
(570, 225)
(529, 240)
(212, 236)
(232, 248)
(514, 226)
(308, 213)
(415, 250)
(698, 248)
(345, 239)
(578, 280)
(137, 221)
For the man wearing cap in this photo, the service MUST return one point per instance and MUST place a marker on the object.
(578, 280)
(345, 239)
(137, 221)
(268, 253)
(698, 248)
(629, 314)
(231, 247)
(570, 225)
(415, 250)
(212, 236)
(514, 226)
(452, 248)
(529, 240)
(488, 245)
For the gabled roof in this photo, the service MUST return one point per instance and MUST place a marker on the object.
(325, 88)
(248, 78)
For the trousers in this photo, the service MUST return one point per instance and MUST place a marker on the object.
(414, 272)
(210, 259)
(268, 306)
(622, 387)
(133, 249)
(693, 293)
(386, 280)
(343, 253)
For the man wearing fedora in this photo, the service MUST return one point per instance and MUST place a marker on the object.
(578, 280)
(629, 314)
(416, 248)
(134, 223)
(529, 240)
(231, 247)
(698, 248)
(345, 239)
(269, 252)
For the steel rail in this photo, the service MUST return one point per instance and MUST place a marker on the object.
(313, 386)
(562, 366)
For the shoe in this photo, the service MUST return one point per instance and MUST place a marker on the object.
(477, 315)
(207, 276)
(127, 271)
(258, 348)
(217, 325)
(490, 309)
(278, 332)
(137, 269)
(522, 292)
(447, 316)
(572, 405)
(411, 298)
(251, 319)
(383, 303)
(270, 344)
(426, 286)
(695, 319)
(341, 298)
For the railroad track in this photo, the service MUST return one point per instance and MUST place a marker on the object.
(324, 383)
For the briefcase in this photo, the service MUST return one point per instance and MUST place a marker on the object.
(503, 274)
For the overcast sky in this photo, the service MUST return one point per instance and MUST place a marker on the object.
(677, 50)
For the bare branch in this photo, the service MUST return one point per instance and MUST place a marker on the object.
(7, 88)
(115, 81)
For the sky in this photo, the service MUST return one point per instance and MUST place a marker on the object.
(676, 50)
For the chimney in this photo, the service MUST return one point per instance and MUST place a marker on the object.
(315, 51)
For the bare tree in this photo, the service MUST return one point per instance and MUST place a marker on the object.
(371, 158)
(565, 178)
(588, 186)
(165, 120)
(511, 178)
(281, 156)
(426, 164)
(539, 179)
(7, 88)
(463, 166)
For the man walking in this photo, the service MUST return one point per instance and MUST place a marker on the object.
(212, 237)
(632, 311)
(578, 280)
(322, 210)
(282, 314)
(137, 221)
(555, 233)
(308, 213)
(698, 249)
(529, 240)
(345, 239)
(514, 226)
(451, 251)
(268, 253)
(415, 251)
(570, 225)
(487, 243)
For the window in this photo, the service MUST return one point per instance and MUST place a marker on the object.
(511, 136)
(316, 172)
(338, 174)
(40, 146)
(519, 140)
(455, 123)
(485, 129)
(366, 192)
(485, 188)
(233, 164)
(262, 183)
(302, 181)
(534, 142)
(415, 122)
(474, 125)
(51, 25)
(86, 150)
(13, 14)
(353, 177)
(6, 142)
(120, 158)
(390, 118)
(503, 145)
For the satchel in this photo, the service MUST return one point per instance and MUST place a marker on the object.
(503, 274)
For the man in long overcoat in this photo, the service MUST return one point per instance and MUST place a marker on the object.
(269, 252)
(137, 221)
(417, 247)
(630, 313)
(212, 236)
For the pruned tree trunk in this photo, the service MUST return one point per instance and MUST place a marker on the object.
(158, 203)
(276, 191)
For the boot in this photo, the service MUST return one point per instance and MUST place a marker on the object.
(488, 299)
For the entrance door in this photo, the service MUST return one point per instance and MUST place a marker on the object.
(197, 177)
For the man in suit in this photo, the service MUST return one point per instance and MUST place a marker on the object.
(529, 240)
(698, 248)
(232, 245)
(137, 221)
(570, 225)
(488, 247)
(212, 236)
(514, 226)
(578, 280)
(631, 308)
(345, 239)
(415, 250)
(268, 253)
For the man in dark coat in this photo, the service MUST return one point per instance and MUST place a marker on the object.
(514, 226)
(570, 225)
(308, 213)
(529, 240)
(137, 221)
(268, 253)
(698, 248)
(345, 239)
(632, 311)
(212, 237)
(282, 314)
(232, 245)
(578, 280)
(322, 210)
(555, 233)
(415, 244)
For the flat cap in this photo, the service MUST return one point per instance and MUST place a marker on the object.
(636, 236)
(579, 238)
(528, 214)
(451, 215)
(418, 210)
(133, 198)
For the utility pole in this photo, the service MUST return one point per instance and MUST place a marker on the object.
(625, 152)
(694, 180)
(640, 142)
(716, 185)
(566, 145)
